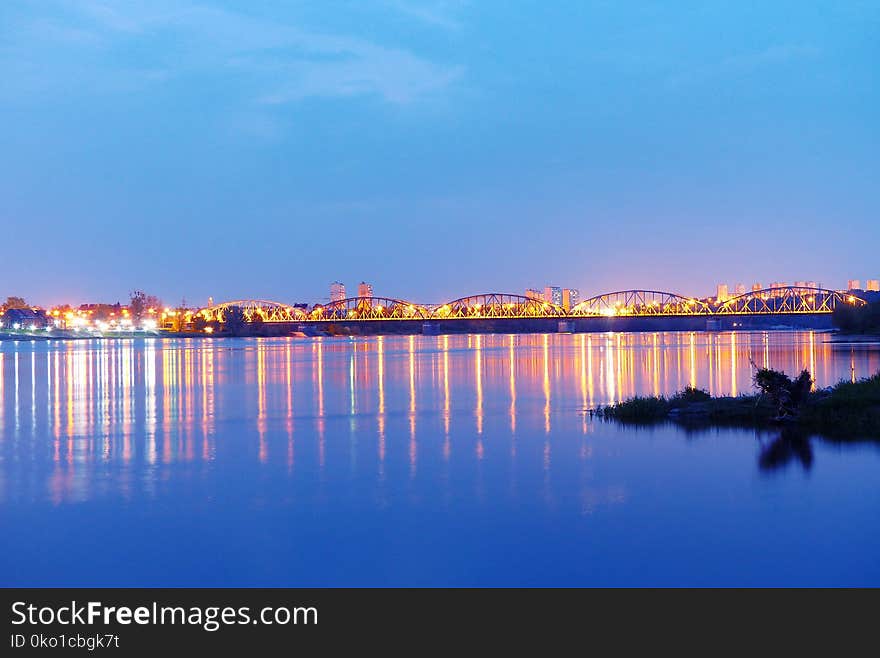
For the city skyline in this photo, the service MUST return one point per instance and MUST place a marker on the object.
(244, 150)
(565, 298)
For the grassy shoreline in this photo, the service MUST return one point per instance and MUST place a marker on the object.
(847, 410)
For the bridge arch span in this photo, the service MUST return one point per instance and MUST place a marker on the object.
(369, 308)
(788, 300)
(640, 303)
(267, 311)
(497, 305)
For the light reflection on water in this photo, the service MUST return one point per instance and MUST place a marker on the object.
(233, 429)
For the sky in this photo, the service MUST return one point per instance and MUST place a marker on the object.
(434, 148)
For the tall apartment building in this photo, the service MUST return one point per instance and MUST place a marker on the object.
(553, 295)
(873, 285)
(854, 284)
(570, 298)
(365, 289)
(533, 293)
(740, 289)
(722, 293)
(776, 287)
(337, 291)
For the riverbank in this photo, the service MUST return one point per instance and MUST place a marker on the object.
(23, 336)
(73, 335)
(333, 332)
(841, 337)
(847, 410)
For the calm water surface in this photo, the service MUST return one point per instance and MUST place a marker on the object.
(450, 460)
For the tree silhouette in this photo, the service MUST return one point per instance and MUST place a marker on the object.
(234, 320)
(141, 301)
(14, 302)
(784, 393)
(857, 319)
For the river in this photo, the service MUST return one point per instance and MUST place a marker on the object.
(419, 460)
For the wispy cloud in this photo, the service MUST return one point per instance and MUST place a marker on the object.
(285, 62)
(438, 13)
(113, 17)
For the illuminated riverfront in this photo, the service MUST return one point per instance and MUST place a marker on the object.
(636, 303)
(808, 304)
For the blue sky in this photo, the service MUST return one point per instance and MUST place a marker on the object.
(264, 149)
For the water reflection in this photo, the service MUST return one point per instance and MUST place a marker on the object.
(416, 460)
(71, 410)
(790, 445)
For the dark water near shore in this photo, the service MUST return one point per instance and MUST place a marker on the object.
(449, 460)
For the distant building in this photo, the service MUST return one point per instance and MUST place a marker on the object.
(756, 286)
(741, 289)
(365, 289)
(553, 295)
(570, 298)
(873, 285)
(533, 293)
(337, 291)
(854, 284)
(102, 311)
(25, 318)
(722, 293)
(776, 287)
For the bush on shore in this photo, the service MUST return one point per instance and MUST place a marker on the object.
(846, 410)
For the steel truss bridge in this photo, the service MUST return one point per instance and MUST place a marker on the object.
(790, 300)
(252, 308)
